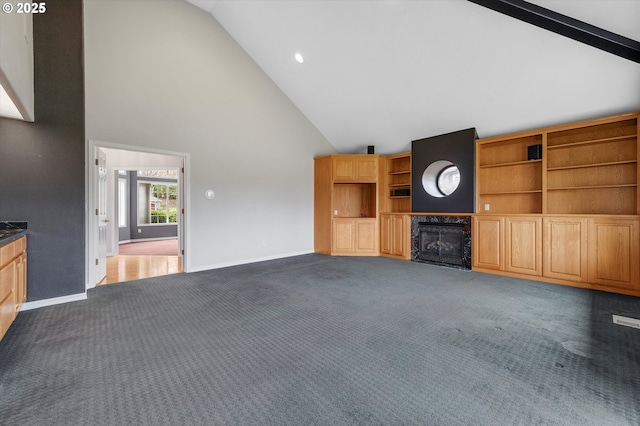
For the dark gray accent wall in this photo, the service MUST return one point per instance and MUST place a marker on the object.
(42, 163)
(456, 147)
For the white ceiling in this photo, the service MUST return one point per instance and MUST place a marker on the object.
(387, 72)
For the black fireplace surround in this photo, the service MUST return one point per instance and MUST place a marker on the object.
(441, 240)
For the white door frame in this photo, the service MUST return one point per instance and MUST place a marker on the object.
(91, 189)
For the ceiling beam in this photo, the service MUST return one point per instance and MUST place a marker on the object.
(566, 26)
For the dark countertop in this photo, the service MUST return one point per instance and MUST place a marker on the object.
(11, 231)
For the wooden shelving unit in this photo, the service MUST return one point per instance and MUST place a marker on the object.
(506, 181)
(398, 178)
(593, 169)
(589, 167)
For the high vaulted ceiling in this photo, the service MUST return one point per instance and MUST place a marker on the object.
(387, 72)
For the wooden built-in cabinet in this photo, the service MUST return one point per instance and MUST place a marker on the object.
(347, 196)
(599, 252)
(570, 217)
(13, 281)
(510, 244)
(395, 235)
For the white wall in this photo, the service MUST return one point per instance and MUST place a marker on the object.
(165, 75)
(16, 60)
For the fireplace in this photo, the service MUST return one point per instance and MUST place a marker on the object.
(442, 240)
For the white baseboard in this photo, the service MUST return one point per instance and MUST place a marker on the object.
(53, 301)
(246, 261)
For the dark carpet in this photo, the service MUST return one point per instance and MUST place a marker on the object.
(316, 340)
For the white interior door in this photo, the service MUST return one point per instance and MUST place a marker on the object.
(101, 212)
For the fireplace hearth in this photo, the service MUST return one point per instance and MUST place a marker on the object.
(441, 240)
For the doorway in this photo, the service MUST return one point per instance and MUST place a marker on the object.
(137, 223)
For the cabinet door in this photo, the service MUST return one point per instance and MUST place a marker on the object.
(344, 236)
(366, 236)
(21, 281)
(355, 168)
(487, 248)
(523, 248)
(367, 169)
(565, 248)
(344, 168)
(614, 258)
(400, 237)
(386, 233)
(7, 296)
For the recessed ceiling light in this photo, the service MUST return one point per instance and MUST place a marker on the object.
(299, 58)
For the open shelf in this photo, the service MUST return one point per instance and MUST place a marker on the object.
(591, 187)
(398, 177)
(513, 163)
(511, 202)
(581, 166)
(352, 200)
(512, 192)
(619, 200)
(590, 142)
(585, 134)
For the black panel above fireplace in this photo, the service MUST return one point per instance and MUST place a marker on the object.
(457, 148)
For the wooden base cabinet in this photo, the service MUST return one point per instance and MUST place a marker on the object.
(13, 281)
(354, 237)
(597, 252)
(509, 244)
(395, 236)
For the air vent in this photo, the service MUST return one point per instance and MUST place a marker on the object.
(626, 321)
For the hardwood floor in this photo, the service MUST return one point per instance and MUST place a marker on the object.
(128, 268)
